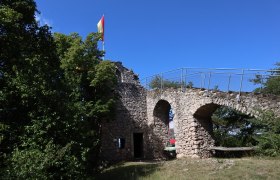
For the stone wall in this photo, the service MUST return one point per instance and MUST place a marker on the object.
(130, 118)
(141, 111)
(193, 109)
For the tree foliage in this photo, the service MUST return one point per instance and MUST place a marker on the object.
(158, 82)
(269, 136)
(29, 70)
(270, 84)
(232, 128)
(52, 162)
(55, 92)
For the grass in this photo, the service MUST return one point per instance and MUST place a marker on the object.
(243, 168)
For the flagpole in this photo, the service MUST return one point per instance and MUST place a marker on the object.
(103, 48)
(100, 29)
(103, 42)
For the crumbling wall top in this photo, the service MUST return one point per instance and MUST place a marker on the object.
(125, 75)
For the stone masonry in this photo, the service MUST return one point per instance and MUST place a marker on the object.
(131, 117)
(146, 112)
(193, 110)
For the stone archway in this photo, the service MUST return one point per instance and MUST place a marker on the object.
(119, 76)
(204, 128)
(193, 110)
(160, 126)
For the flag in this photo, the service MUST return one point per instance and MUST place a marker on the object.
(100, 27)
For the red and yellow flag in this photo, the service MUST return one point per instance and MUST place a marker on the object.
(100, 27)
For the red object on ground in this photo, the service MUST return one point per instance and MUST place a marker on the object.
(172, 141)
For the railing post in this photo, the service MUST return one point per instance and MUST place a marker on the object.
(209, 80)
(182, 80)
(229, 78)
(204, 77)
(201, 80)
(261, 83)
(241, 84)
(186, 74)
(161, 82)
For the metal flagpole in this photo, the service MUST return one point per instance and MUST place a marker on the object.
(103, 43)
(100, 30)
(103, 48)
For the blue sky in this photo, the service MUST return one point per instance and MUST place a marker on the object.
(152, 36)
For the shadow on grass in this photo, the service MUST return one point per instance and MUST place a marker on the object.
(130, 172)
(233, 154)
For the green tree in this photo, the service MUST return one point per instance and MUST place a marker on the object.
(87, 96)
(232, 128)
(270, 84)
(90, 86)
(31, 100)
(268, 136)
(269, 133)
(29, 71)
(55, 92)
(159, 82)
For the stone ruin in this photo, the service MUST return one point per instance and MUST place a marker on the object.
(140, 128)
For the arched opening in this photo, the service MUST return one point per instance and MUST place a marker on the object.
(171, 128)
(222, 126)
(232, 128)
(204, 131)
(164, 127)
(119, 76)
(161, 118)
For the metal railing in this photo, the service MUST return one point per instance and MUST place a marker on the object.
(222, 79)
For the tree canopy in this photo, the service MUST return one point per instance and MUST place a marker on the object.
(158, 82)
(271, 83)
(233, 129)
(55, 92)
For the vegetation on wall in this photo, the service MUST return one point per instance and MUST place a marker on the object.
(158, 82)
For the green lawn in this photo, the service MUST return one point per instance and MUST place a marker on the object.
(243, 168)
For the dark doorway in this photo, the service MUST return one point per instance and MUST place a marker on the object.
(138, 145)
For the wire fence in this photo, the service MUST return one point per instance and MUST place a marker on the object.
(222, 79)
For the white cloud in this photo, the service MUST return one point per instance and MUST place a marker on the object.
(42, 20)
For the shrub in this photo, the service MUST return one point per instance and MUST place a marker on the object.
(51, 162)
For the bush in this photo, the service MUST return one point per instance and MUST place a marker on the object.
(268, 144)
(268, 137)
(53, 162)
